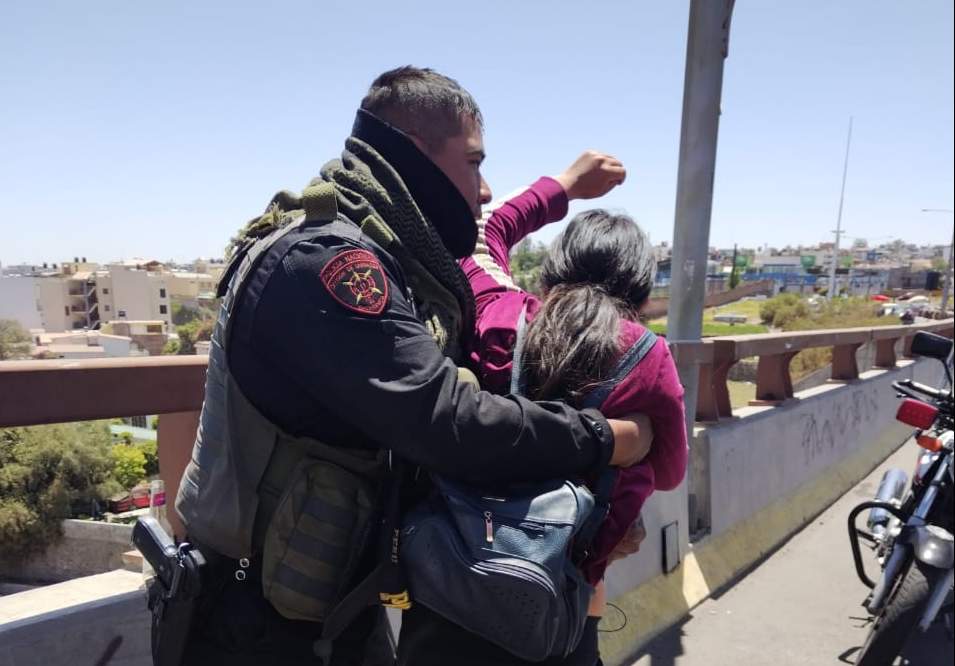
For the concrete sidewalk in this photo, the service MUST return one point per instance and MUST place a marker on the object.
(802, 605)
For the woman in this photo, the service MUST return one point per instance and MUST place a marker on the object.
(596, 277)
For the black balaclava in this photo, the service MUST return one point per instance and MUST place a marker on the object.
(439, 199)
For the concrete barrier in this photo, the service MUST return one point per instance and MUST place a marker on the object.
(769, 472)
(99, 619)
(87, 548)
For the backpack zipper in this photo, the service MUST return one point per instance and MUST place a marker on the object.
(488, 527)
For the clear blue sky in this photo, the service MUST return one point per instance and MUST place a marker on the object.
(156, 128)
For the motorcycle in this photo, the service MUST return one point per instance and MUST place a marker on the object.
(910, 527)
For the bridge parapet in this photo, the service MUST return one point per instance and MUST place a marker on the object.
(715, 356)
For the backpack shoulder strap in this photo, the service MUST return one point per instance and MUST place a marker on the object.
(630, 359)
(518, 383)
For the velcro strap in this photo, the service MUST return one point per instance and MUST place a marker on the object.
(319, 202)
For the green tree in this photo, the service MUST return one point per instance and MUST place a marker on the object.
(183, 314)
(734, 277)
(129, 465)
(527, 256)
(526, 261)
(193, 332)
(14, 340)
(780, 310)
(48, 473)
(150, 455)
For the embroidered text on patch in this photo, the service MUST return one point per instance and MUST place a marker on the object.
(356, 280)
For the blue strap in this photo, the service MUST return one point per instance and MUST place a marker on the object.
(518, 384)
(625, 365)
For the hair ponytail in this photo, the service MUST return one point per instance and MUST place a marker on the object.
(598, 270)
(572, 343)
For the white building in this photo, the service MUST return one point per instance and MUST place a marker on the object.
(50, 302)
(190, 286)
(81, 295)
(19, 300)
(133, 292)
(211, 267)
(83, 344)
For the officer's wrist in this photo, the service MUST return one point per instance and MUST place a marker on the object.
(600, 428)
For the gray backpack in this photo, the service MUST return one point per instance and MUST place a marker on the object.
(504, 565)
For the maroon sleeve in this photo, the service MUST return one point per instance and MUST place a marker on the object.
(502, 227)
(669, 452)
(498, 300)
(654, 389)
(543, 202)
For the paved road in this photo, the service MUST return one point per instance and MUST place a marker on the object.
(800, 606)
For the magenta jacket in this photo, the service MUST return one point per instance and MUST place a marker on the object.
(652, 388)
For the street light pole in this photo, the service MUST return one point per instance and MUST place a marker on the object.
(947, 285)
(838, 232)
(706, 49)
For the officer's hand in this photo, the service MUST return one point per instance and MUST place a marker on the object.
(632, 437)
(591, 175)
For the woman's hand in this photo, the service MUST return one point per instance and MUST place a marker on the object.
(592, 175)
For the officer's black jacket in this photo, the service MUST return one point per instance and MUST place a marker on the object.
(317, 368)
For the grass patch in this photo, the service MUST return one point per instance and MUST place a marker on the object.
(749, 307)
(741, 393)
(713, 330)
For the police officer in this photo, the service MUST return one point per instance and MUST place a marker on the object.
(344, 319)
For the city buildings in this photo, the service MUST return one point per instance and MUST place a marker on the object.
(83, 344)
(80, 295)
(132, 298)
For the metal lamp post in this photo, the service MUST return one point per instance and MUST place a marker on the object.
(947, 286)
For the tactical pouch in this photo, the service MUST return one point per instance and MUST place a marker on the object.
(315, 538)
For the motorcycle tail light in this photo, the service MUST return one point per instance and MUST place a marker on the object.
(916, 413)
(929, 443)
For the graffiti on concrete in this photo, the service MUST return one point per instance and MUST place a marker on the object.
(840, 424)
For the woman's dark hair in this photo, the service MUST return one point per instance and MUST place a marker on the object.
(601, 268)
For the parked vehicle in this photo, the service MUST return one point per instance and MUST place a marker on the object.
(910, 526)
(137, 498)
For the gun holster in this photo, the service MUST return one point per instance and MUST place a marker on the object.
(172, 593)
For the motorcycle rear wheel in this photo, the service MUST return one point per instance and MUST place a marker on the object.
(893, 626)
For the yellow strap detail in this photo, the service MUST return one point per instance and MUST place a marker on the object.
(401, 600)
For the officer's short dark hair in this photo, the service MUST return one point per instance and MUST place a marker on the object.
(422, 102)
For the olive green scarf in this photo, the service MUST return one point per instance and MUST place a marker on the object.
(370, 194)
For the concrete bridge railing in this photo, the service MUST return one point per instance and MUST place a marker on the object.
(715, 357)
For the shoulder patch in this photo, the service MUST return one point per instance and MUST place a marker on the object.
(355, 279)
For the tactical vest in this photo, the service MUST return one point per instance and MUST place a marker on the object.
(251, 490)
